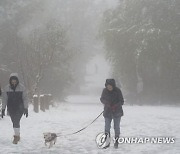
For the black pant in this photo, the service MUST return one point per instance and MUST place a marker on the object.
(15, 118)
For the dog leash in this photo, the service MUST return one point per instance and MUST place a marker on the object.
(59, 135)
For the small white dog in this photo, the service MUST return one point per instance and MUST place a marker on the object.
(50, 138)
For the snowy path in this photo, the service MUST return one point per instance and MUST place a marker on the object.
(138, 121)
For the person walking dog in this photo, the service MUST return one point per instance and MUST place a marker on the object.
(15, 98)
(113, 100)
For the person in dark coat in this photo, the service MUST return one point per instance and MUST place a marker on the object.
(15, 98)
(113, 100)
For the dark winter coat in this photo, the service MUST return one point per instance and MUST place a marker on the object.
(112, 100)
(15, 98)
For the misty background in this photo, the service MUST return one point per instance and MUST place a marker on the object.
(66, 47)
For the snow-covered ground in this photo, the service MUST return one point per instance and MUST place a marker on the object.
(139, 121)
(78, 111)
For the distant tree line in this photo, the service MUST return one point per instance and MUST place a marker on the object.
(142, 40)
(38, 52)
(48, 43)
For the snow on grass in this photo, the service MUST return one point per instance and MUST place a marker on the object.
(138, 121)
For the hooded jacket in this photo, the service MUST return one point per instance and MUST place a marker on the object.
(112, 100)
(15, 98)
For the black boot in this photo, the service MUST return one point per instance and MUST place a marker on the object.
(116, 142)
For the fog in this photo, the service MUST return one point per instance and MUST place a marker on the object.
(63, 52)
(60, 47)
(49, 43)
